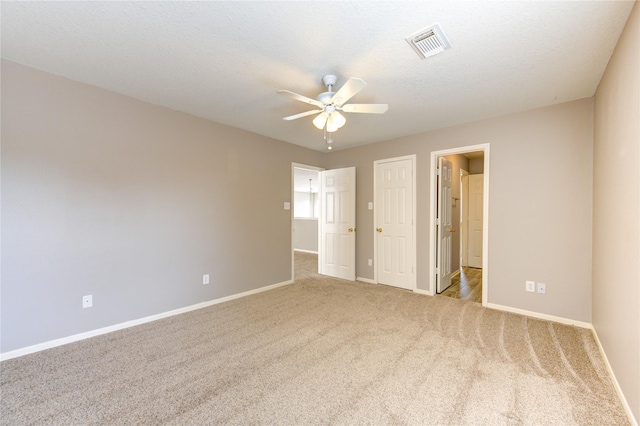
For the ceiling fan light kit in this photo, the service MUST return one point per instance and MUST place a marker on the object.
(330, 104)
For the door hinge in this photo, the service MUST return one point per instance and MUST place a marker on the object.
(437, 271)
(437, 172)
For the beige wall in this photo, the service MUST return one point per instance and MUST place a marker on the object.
(616, 213)
(131, 203)
(305, 234)
(476, 166)
(540, 203)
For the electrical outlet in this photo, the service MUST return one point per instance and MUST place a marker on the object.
(370, 206)
(530, 286)
(542, 288)
(370, 262)
(205, 279)
(87, 301)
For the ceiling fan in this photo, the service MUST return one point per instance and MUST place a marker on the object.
(331, 103)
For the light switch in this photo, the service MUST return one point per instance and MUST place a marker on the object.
(287, 205)
(370, 205)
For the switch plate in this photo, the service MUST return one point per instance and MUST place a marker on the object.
(205, 279)
(542, 288)
(530, 286)
(370, 262)
(370, 208)
(87, 301)
(287, 205)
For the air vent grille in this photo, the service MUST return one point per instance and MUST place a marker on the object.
(429, 41)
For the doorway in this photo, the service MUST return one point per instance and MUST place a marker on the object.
(305, 216)
(459, 211)
(323, 221)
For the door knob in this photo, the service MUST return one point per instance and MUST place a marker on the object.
(379, 229)
(452, 230)
(352, 229)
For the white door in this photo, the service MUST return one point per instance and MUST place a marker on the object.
(443, 260)
(464, 218)
(476, 195)
(338, 223)
(394, 223)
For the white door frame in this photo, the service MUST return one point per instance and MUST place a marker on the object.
(291, 197)
(485, 220)
(415, 218)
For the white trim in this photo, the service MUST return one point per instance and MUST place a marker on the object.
(456, 273)
(366, 280)
(616, 385)
(414, 172)
(581, 324)
(423, 292)
(485, 220)
(539, 315)
(88, 334)
(305, 251)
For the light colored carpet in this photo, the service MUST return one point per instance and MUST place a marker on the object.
(320, 351)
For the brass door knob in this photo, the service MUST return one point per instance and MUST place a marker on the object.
(379, 229)
(352, 229)
(452, 230)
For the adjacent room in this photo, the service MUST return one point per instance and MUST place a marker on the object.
(349, 212)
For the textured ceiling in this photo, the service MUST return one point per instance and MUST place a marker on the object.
(225, 60)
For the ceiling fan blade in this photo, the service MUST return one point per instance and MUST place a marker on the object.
(349, 90)
(302, 114)
(301, 98)
(366, 108)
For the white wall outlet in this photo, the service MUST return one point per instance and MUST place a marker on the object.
(370, 262)
(287, 205)
(530, 286)
(542, 288)
(205, 279)
(370, 208)
(87, 301)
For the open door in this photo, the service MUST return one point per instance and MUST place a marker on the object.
(444, 226)
(337, 256)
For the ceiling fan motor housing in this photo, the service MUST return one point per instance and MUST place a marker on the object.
(325, 97)
(329, 80)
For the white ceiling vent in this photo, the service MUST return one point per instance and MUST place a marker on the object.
(429, 41)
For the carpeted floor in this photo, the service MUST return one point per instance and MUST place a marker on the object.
(320, 351)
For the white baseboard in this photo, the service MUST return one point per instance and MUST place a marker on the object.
(538, 315)
(423, 292)
(88, 334)
(581, 324)
(457, 272)
(306, 251)
(366, 280)
(616, 385)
